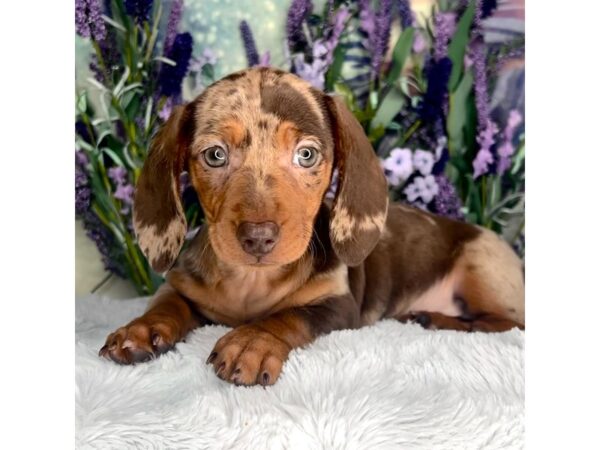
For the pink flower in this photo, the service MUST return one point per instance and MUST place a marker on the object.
(398, 166)
(423, 161)
(425, 188)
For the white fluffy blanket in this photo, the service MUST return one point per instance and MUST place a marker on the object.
(386, 386)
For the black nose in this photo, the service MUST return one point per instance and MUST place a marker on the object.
(258, 239)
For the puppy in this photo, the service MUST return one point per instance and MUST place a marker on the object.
(274, 260)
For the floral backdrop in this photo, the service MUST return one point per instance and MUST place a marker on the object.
(436, 85)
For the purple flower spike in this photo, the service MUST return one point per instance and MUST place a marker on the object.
(265, 59)
(445, 24)
(172, 24)
(124, 193)
(507, 149)
(477, 56)
(446, 202)
(249, 44)
(88, 19)
(406, 15)
(298, 12)
(118, 175)
(139, 9)
(83, 193)
(484, 157)
(377, 26)
(171, 77)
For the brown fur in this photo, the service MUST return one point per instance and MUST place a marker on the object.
(335, 265)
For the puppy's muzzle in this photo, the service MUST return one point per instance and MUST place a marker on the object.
(258, 239)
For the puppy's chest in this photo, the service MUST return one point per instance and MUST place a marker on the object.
(238, 298)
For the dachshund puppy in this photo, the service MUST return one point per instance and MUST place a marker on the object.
(277, 262)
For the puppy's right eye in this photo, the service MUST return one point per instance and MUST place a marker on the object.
(215, 156)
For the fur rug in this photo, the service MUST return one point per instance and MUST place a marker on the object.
(386, 386)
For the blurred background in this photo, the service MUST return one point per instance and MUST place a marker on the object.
(388, 101)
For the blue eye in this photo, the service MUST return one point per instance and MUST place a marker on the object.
(306, 157)
(215, 156)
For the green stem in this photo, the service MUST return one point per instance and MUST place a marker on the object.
(414, 127)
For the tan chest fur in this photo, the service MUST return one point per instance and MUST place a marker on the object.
(248, 294)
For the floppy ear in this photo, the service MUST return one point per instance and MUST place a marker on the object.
(158, 216)
(360, 206)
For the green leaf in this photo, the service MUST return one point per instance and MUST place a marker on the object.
(333, 73)
(400, 53)
(346, 92)
(82, 102)
(118, 161)
(458, 45)
(457, 114)
(165, 60)
(391, 105)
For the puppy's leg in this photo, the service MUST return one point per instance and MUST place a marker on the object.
(488, 279)
(437, 321)
(255, 353)
(167, 321)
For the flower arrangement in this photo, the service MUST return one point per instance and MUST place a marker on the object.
(423, 101)
(138, 72)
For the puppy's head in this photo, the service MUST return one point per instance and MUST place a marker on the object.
(260, 146)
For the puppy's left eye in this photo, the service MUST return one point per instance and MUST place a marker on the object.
(215, 156)
(306, 157)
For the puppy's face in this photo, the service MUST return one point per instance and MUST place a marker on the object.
(260, 160)
(260, 146)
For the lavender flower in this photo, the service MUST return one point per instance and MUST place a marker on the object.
(445, 25)
(265, 59)
(487, 7)
(484, 157)
(298, 12)
(406, 15)
(171, 77)
(446, 202)
(81, 158)
(124, 193)
(377, 26)
(172, 24)
(118, 175)
(423, 161)
(431, 108)
(139, 9)
(419, 43)
(477, 55)
(88, 19)
(104, 241)
(425, 188)
(398, 166)
(249, 44)
(165, 112)
(83, 194)
(507, 149)
(313, 73)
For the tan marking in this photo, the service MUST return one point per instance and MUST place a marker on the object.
(345, 224)
(155, 244)
(491, 272)
(233, 131)
(334, 283)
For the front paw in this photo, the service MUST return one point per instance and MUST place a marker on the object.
(249, 355)
(142, 339)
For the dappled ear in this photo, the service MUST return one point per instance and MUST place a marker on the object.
(158, 216)
(360, 205)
